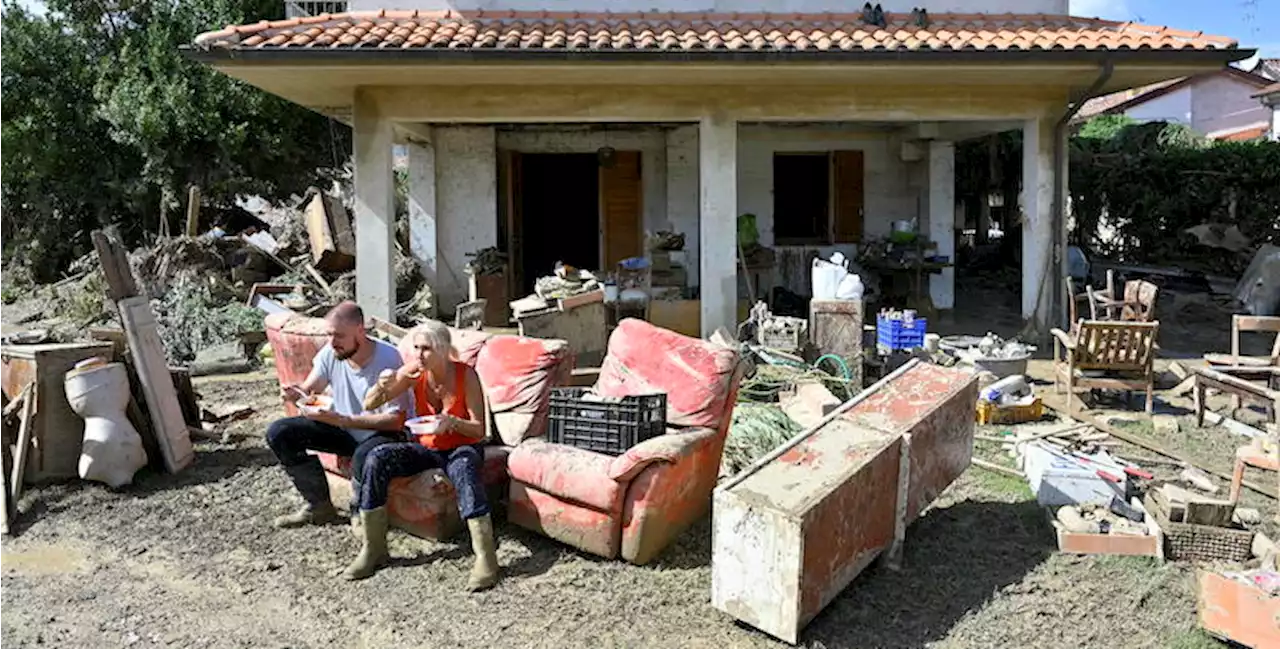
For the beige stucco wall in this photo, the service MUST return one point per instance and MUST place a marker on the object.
(1221, 104)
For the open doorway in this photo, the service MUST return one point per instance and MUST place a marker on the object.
(559, 206)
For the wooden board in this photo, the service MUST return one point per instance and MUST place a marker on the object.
(621, 198)
(147, 351)
(24, 443)
(835, 327)
(333, 245)
(848, 192)
(115, 266)
(186, 395)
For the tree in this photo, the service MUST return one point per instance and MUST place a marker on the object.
(113, 122)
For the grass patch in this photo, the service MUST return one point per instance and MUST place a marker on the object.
(999, 484)
(1194, 639)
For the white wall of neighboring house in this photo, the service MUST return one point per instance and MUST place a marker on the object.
(1174, 107)
(1224, 104)
(724, 6)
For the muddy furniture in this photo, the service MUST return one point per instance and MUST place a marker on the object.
(1249, 323)
(635, 504)
(1107, 355)
(1260, 385)
(1237, 611)
(794, 529)
(517, 374)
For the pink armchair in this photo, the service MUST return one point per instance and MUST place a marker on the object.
(635, 504)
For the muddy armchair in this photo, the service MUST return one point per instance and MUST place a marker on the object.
(635, 504)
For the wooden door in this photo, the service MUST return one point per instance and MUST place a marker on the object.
(848, 196)
(621, 205)
(511, 219)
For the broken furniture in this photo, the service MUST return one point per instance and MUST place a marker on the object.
(1253, 455)
(635, 504)
(1106, 355)
(1135, 303)
(57, 433)
(1188, 538)
(580, 320)
(1249, 323)
(1236, 610)
(517, 375)
(333, 242)
(794, 529)
(1148, 544)
(1260, 385)
(835, 329)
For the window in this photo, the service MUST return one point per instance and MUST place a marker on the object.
(817, 198)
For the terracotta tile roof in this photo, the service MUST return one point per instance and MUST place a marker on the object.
(593, 32)
(1269, 90)
(1116, 100)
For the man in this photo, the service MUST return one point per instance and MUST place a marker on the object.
(349, 365)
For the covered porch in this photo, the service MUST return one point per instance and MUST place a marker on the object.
(706, 129)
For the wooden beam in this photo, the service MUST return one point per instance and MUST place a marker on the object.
(480, 103)
(24, 445)
(193, 211)
(115, 266)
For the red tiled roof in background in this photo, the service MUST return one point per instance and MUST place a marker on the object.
(1106, 103)
(656, 31)
(1245, 135)
(1269, 90)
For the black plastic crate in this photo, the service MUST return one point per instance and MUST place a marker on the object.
(610, 427)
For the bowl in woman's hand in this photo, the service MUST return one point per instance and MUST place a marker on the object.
(427, 425)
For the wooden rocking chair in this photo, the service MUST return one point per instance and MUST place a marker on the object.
(1105, 354)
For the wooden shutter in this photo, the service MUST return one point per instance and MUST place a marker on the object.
(511, 219)
(621, 200)
(847, 196)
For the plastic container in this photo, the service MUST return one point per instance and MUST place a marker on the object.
(609, 427)
(892, 334)
(315, 403)
(1011, 386)
(990, 413)
(426, 425)
(1057, 480)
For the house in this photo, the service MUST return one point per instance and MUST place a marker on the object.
(1270, 98)
(1219, 105)
(569, 132)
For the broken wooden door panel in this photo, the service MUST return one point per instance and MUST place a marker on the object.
(621, 204)
(511, 219)
(162, 398)
(935, 405)
(848, 196)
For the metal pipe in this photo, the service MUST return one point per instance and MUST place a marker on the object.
(1057, 312)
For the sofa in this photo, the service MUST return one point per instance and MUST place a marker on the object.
(517, 374)
(634, 505)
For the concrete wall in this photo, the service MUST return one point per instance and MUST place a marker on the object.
(682, 192)
(1222, 103)
(1172, 107)
(467, 199)
(776, 6)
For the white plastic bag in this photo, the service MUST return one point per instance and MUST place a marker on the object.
(850, 288)
(827, 276)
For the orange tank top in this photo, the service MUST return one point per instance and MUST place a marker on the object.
(455, 404)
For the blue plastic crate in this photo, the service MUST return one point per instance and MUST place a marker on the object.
(900, 334)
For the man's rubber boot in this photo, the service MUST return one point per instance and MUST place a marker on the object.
(309, 479)
(484, 574)
(374, 552)
(353, 510)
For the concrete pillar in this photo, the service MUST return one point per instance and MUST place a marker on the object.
(718, 217)
(942, 216)
(682, 192)
(422, 207)
(375, 213)
(1037, 228)
(466, 163)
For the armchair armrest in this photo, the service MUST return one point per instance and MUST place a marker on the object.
(1063, 338)
(664, 448)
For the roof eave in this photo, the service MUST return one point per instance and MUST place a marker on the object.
(399, 56)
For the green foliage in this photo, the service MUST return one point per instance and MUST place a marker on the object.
(192, 318)
(1105, 127)
(108, 122)
(1150, 182)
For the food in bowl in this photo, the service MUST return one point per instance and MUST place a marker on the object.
(426, 425)
(313, 403)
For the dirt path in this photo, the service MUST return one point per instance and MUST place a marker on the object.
(191, 561)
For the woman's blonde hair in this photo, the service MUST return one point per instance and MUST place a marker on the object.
(437, 335)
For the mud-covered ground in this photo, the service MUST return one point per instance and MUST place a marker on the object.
(190, 560)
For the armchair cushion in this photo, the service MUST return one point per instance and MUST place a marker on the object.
(696, 375)
(665, 448)
(566, 472)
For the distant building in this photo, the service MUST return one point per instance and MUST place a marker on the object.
(1219, 105)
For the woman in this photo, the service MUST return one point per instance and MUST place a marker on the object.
(451, 390)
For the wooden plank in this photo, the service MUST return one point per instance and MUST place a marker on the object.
(187, 400)
(24, 445)
(115, 266)
(1150, 446)
(992, 466)
(147, 351)
(193, 211)
(392, 331)
(621, 200)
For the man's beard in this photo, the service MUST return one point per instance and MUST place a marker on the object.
(342, 356)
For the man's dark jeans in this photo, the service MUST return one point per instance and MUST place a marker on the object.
(292, 437)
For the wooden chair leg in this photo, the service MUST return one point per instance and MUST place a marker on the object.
(1198, 396)
(1237, 480)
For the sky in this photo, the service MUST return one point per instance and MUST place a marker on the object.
(1255, 23)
